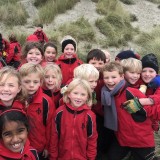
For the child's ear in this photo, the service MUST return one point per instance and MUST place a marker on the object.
(19, 89)
(122, 76)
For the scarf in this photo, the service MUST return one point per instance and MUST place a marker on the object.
(110, 112)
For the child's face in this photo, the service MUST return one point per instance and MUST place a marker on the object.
(9, 88)
(148, 74)
(50, 54)
(69, 51)
(78, 96)
(50, 80)
(14, 136)
(34, 56)
(93, 82)
(39, 29)
(132, 77)
(99, 64)
(111, 79)
(31, 83)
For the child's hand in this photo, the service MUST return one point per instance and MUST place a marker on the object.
(155, 82)
(45, 153)
(132, 106)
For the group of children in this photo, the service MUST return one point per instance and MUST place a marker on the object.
(63, 109)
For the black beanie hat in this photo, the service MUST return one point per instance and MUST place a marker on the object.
(150, 60)
(66, 42)
(126, 54)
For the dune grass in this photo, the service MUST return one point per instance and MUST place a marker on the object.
(149, 42)
(49, 9)
(116, 25)
(10, 15)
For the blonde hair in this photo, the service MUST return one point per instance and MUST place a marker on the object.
(78, 82)
(10, 72)
(29, 68)
(113, 66)
(85, 71)
(132, 65)
(56, 69)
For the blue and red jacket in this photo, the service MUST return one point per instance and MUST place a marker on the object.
(67, 66)
(28, 153)
(74, 133)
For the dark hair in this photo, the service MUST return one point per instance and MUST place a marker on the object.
(97, 54)
(40, 25)
(50, 44)
(30, 45)
(12, 38)
(13, 115)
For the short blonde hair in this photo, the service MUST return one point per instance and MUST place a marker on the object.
(56, 69)
(132, 65)
(78, 82)
(85, 71)
(29, 68)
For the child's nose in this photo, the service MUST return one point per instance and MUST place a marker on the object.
(15, 138)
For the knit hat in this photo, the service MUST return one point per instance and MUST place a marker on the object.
(126, 54)
(68, 40)
(150, 60)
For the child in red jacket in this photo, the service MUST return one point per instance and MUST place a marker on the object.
(39, 108)
(74, 129)
(52, 82)
(13, 132)
(40, 34)
(14, 53)
(131, 135)
(68, 60)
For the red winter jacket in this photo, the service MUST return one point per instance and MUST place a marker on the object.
(74, 134)
(40, 112)
(67, 66)
(41, 36)
(27, 154)
(56, 96)
(131, 133)
(14, 52)
(16, 104)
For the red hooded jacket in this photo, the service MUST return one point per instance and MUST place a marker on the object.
(41, 36)
(74, 133)
(14, 52)
(67, 66)
(27, 154)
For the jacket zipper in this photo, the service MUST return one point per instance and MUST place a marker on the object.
(73, 131)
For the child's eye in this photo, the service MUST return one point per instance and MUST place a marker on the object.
(1, 84)
(26, 81)
(6, 134)
(21, 130)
